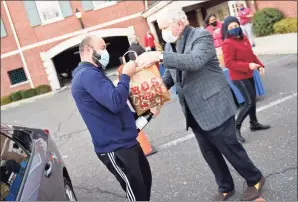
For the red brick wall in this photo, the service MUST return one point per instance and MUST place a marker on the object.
(29, 35)
(7, 43)
(288, 8)
(7, 64)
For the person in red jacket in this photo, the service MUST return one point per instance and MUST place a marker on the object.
(149, 41)
(213, 26)
(241, 62)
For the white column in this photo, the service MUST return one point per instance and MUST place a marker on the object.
(131, 33)
(52, 74)
(199, 16)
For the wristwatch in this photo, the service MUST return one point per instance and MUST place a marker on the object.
(161, 57)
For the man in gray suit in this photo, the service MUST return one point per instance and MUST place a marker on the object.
(206, 100)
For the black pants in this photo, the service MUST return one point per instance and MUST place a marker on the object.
(131, 168)
(222, 141)
(248, 91)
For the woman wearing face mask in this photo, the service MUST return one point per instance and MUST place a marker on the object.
(241, 62)
(213, 26)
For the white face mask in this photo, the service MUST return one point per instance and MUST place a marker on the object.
(168, 36)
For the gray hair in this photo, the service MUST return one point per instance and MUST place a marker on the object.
(173, 16)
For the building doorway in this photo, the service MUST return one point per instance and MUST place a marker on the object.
(66, 61)
(64, 57)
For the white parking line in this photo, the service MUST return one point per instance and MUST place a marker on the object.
(281, 58)
(262, 108)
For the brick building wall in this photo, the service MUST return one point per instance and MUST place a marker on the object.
(288, 8)
(7, 43)
(31, 35)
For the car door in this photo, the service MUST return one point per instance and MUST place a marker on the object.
(45, 178)
(52, 181)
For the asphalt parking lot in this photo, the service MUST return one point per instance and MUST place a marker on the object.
(179, 170)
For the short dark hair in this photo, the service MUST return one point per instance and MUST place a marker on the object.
(87, 41)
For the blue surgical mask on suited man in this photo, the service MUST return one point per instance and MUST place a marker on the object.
(102, 60)
(235, 31)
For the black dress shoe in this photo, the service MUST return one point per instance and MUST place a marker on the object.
(239, 136)
(254, 126)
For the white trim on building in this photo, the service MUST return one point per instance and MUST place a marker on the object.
(72, 34)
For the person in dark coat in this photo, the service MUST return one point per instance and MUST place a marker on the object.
(135, 46)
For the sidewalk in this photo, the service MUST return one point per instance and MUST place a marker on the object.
(276, 44)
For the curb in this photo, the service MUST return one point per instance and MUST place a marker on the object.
(18, 103)
(259, 53)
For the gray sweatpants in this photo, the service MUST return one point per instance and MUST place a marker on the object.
(247, 29)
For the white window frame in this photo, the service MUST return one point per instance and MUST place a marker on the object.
(234, 8)
(104, 5)
(45, 22)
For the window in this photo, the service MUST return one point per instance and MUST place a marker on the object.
(49, 11)
(17, 76)
(14, 162)
(102, 4)
(3, 31)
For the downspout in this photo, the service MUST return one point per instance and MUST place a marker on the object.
(255, 5)
(18, 44)
(146, 5)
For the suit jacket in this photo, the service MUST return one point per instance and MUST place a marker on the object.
(203, 85)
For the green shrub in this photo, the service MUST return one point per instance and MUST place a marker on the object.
(16, 96)
(264, 20)
(43, 89)
(28, 93)
(287, 25)
(5, 100)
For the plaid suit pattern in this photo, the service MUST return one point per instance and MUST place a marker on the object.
(204, 87)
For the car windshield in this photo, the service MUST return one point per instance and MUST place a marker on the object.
(16, 147)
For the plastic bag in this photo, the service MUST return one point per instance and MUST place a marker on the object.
(147, 89)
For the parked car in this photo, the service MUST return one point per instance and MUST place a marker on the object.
(32, 168)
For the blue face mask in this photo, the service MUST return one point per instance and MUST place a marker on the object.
(105, 58)
(102, 60)
(235, 32)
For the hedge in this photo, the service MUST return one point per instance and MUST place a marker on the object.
(264, 20)
(5, 100)
(287, 25)
(43, 89)
(28, 93)
(16, 96)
